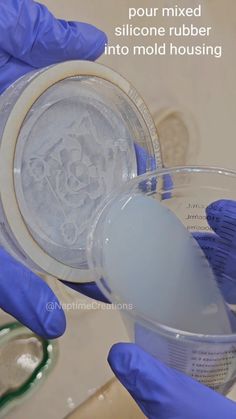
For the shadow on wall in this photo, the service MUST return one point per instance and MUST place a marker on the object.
(178, 137)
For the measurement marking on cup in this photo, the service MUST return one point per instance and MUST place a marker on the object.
(178, 350)
(176, 356)
(230, 211)
(177, 366)
(229, 228)
(219, 268)
(219, 263)
(220, 257)
(227, 239)
(227, 234)
(229, 222)
(225, 252)
(176, 362)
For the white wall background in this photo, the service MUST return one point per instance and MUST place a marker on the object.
(205, 87)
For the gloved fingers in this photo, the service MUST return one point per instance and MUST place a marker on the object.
(13, 69)
(167, 186)
(90, 289)
(145, 162)
(222, 259)
(4, 58)
(29, 32)
(29, 299)
(163, 393)
(221, 217)
(223, 262)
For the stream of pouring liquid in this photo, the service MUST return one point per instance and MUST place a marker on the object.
(151, 261)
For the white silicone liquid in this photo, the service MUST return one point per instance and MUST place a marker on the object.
(152, 261)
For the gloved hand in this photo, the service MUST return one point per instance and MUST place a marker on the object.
(220, 248)
(28, 298)
(163, 393)
(31, 37)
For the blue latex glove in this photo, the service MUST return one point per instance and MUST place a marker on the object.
(220, 248)
(163, 393)
(31, 37)
(29, 299)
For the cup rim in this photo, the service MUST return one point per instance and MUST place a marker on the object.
(184, 169)
(181, 334)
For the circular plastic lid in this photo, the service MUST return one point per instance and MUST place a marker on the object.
(71, 137)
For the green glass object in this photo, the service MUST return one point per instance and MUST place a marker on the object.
(25, 361)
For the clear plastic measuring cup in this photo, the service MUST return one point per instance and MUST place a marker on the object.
(189, 285)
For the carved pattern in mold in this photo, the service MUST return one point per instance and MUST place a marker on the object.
(37, 168)
(69, 233)
(75, 170)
